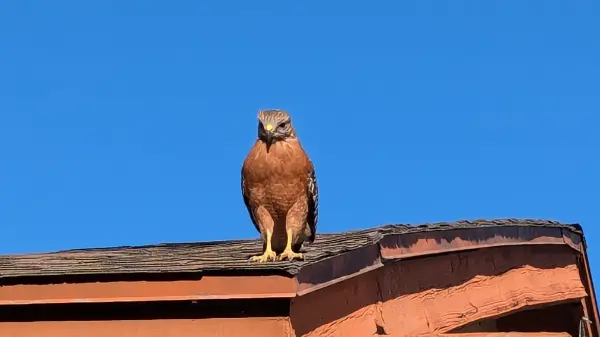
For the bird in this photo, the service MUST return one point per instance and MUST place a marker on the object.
(279, 188)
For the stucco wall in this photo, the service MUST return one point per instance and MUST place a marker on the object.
(440, 293)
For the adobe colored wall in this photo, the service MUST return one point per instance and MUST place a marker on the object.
(218, 327)
(438, 294)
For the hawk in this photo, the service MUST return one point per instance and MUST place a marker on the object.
(279, 188)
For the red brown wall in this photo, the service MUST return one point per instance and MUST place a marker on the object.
(230, 327)
(438, 294)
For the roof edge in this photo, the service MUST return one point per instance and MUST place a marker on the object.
(401, 246)
(392, 242)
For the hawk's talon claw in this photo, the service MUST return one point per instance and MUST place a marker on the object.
(265, 257)
(290, 255)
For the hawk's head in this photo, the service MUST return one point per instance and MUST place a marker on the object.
(275, 125)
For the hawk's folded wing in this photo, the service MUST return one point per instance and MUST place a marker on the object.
(247, 202)
(313, 203)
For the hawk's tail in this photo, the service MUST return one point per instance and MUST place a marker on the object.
(310, 236)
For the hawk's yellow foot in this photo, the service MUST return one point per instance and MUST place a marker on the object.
(267, 256)
(288, 254)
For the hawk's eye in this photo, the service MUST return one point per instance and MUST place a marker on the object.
(283, 125)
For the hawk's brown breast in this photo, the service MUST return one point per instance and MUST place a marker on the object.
(277, 178)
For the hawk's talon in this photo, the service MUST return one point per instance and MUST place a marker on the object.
(290, 255)
(267, 256)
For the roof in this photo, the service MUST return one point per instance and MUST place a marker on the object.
(222, 257)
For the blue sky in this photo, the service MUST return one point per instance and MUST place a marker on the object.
(126, 122)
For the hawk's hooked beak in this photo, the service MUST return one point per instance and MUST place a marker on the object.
(269, 134)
